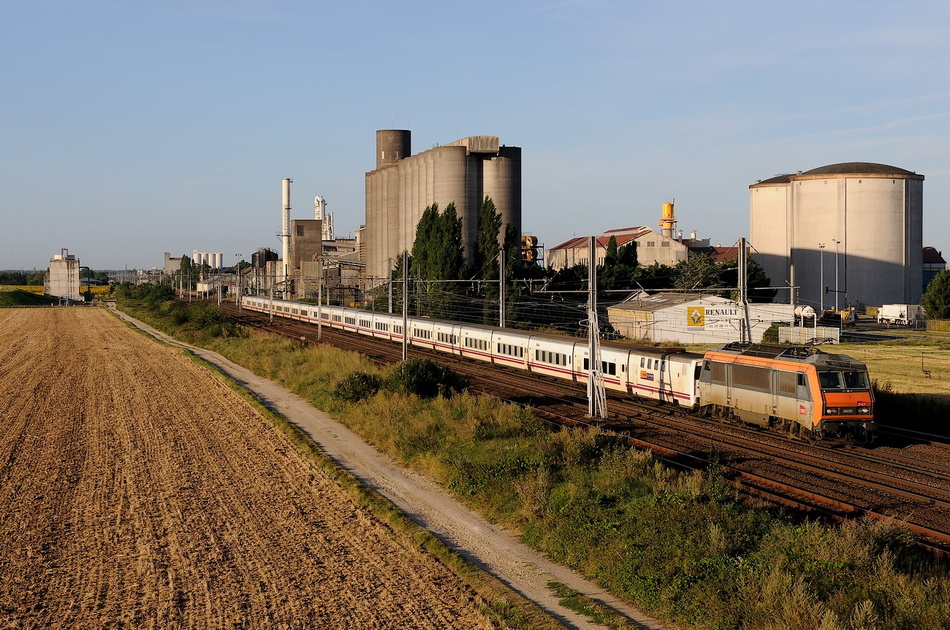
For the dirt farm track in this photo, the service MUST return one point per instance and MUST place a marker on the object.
(128, 501)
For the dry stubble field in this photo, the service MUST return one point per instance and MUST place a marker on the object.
(137, 490)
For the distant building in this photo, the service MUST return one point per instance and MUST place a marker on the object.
(855, 228)
(306, 242)
(652, 247)
(62, 279)
(172, 265)
(691, 318)
(933, 264)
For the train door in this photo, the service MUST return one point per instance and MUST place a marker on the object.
(580, 366)
(665, 385)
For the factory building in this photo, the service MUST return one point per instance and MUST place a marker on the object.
(855, 228)
(306, 242)
(62, 279)
(661, 248)
(652, 247)
(403, 185)
(172, 265)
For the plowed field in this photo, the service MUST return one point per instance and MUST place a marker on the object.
(138, 491)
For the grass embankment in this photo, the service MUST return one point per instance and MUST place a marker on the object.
(912, 379)
(680, 545)
(19, 298)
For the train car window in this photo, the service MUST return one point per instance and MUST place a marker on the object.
(609, 368)
(830, 380)
(856, 380)
(642, 362)
(787, 383)
(718, 372)
(751, 376)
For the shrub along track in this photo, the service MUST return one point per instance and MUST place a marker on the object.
(139, 490)
(838, 482)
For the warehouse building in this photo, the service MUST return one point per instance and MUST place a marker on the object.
(841, 234)
(403, 185)
(692, 318)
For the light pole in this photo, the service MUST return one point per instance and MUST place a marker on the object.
(821, 276)
(237, 268)
(836, 273)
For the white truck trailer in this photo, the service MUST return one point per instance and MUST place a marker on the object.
(903, 314)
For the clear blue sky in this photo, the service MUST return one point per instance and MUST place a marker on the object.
(135, 128)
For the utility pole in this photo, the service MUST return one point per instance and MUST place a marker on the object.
(596, 395)
(744, 292)
(405, 305)
(836, 273)
(320, 299)
(501, 287)
(821, 276)
(237, 267)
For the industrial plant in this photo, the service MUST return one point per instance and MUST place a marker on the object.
(836, 236)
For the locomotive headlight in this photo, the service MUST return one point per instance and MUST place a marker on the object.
(864, 411)
(831, 411)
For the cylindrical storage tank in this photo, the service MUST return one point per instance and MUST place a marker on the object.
(502, 182)
(392, 145)
(854, 227)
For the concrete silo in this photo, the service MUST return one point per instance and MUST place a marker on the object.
(402, 186)
(855, 228)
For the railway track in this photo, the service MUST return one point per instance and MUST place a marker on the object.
(839, 482)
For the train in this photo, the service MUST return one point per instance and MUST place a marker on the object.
(798, 390)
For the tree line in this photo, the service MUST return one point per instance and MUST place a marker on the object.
(444, 287)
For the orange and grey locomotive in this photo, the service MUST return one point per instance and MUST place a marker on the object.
(801, 390)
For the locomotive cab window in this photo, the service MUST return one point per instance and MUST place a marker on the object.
(830, 380)
(856, 380)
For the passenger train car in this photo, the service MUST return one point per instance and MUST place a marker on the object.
(799, 390)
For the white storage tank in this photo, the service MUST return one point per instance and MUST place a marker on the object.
(839, 234)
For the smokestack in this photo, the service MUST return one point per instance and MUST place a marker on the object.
(285, 230)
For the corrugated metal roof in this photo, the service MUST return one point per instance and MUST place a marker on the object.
(580, 242)
(645, 302)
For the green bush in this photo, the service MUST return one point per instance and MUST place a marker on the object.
(771, 334)
(358, 386)
(425, 379)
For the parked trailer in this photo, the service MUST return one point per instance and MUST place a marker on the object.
(903, 314)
